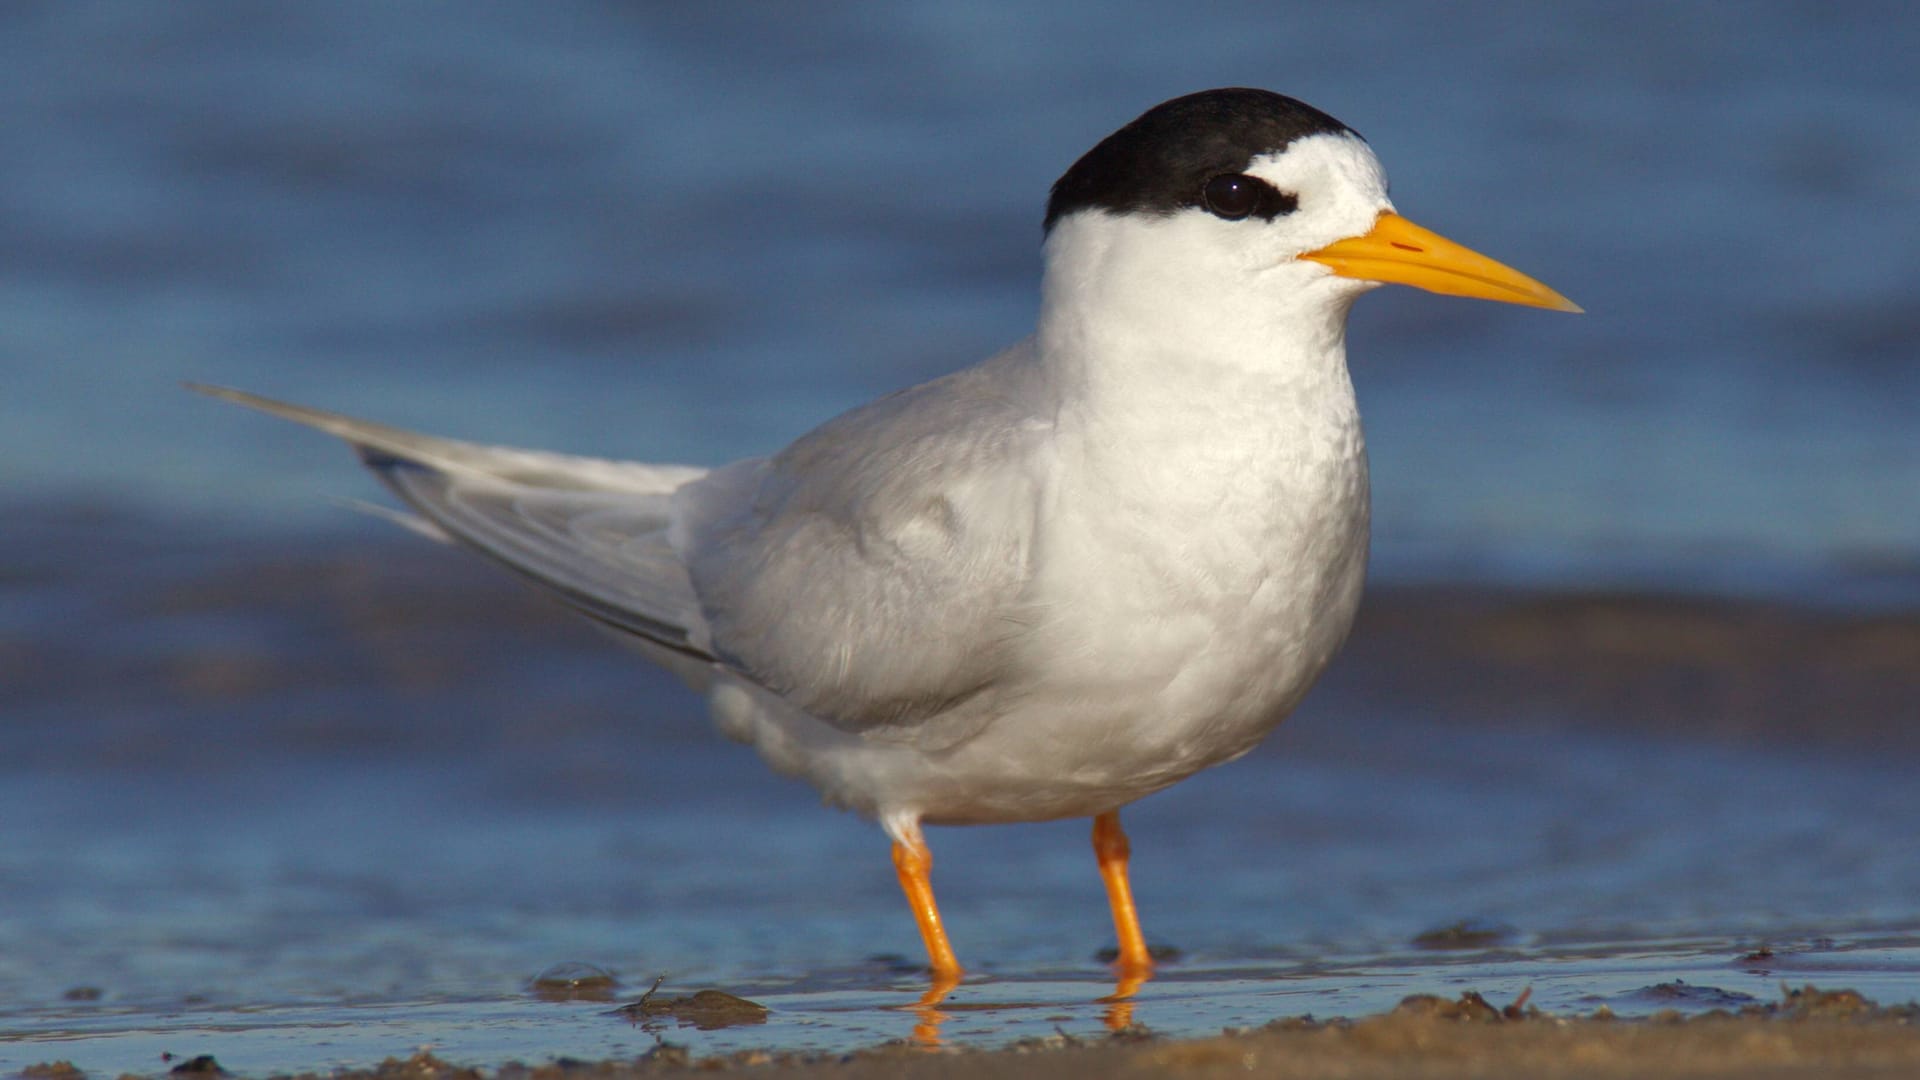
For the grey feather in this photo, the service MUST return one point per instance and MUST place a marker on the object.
(875, 591)
(874, 572)
(592, 531)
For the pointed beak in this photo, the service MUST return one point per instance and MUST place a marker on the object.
(1398, 252)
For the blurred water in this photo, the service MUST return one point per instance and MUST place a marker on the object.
(285, 788)
(314, 804)
(690, 234)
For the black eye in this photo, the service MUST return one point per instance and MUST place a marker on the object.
(1233, 196)
(1237, 195)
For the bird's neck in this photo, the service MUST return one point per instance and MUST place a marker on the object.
(1139, 353)
(1207, 449)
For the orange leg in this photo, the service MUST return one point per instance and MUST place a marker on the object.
(1111, 847)
(915, 863)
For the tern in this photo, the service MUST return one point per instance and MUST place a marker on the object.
(1046, 585)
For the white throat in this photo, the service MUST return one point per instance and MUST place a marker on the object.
(1151, 331)
(1207, 425)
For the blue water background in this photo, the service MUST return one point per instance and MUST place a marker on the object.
(690, 233)
(284, 785)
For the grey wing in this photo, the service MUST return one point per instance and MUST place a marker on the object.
(875, 573)
(605, 553)
(596, 533)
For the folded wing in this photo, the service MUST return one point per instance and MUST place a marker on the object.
(594, 532)
(873, 575)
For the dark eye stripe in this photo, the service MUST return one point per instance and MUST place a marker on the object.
(1234, 196)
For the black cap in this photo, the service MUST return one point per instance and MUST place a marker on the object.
(1160, 163)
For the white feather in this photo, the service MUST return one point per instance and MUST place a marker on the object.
(1043, 586)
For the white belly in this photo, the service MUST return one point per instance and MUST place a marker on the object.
(1167, 662)
(1155, 647)
(1195, 559)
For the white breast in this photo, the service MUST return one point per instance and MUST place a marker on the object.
(1195, 556)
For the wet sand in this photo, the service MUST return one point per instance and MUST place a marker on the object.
(1807, 1033)
(375, 610)
(1710, 668)
(1413, 1042)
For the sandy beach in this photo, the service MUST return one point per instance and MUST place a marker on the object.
(1837, 1035)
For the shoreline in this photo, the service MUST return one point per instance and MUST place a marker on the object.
(1808, 1032)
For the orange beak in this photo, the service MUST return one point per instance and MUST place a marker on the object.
(1398, 252)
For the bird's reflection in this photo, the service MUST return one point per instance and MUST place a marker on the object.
(1119, 1014)
(929, 1016)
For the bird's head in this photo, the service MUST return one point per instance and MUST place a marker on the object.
(1237, 199)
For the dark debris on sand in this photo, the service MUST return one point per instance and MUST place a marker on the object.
(707, 1010)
